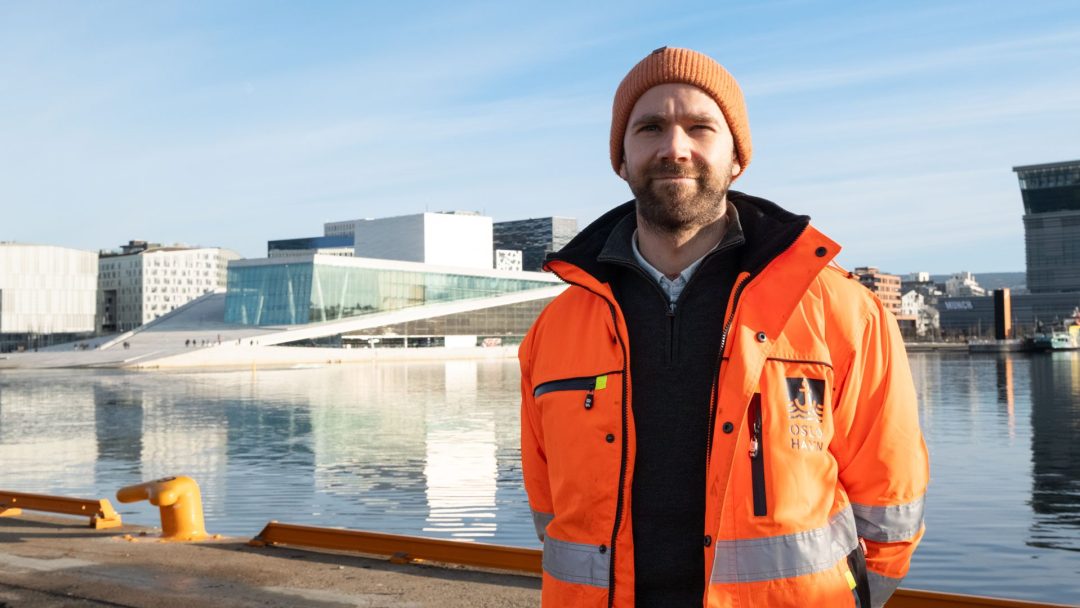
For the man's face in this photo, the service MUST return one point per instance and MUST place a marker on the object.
(679, 158)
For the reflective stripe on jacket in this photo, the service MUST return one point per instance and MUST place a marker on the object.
(815, 442)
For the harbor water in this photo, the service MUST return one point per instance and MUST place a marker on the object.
(432, 449)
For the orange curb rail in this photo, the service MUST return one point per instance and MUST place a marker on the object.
(406, 549)
(100, 511)
(912, 598)
(403, 549)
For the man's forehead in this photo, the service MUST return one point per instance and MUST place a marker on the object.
(675, 99)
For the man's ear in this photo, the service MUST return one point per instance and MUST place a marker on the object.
(736, 169)
(622, 169)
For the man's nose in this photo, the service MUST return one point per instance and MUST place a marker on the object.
(676, 145)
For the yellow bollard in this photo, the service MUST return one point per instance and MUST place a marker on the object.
(180, 503)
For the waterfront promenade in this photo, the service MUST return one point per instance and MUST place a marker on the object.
(197, 336)
(60, 562)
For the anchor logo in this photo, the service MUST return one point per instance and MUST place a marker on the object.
(806, 399)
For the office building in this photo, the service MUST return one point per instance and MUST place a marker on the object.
(47, 295)
(885, 286)
(143, 281)
(1051, 195)
(535, 237)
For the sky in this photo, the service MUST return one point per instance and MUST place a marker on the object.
(894, 125)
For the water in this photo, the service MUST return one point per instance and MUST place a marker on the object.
(432, 449)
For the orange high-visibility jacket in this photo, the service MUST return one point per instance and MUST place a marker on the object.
(815, 442)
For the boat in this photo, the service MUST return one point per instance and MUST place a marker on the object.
(1065, 337)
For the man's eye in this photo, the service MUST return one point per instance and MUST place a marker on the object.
(649, 128)
(701, 128)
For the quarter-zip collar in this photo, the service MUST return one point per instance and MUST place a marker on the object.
(598, 250)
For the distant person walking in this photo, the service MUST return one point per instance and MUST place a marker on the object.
(713, 413)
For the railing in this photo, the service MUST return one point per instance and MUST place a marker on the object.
(402, 549)
(181, 508)
(100, 511)
(405, 549)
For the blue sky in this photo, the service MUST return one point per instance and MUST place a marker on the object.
(893, 125)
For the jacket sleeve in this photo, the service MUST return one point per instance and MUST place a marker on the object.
(883, 464)
(533, 457)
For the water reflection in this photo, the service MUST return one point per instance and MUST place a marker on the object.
(433, 449)
(986, 533)
(1055, 450)
(1006, 393)
(118, 422)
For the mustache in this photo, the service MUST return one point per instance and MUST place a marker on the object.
(673, 169)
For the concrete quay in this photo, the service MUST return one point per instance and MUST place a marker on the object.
(47, 562)
(196, 336)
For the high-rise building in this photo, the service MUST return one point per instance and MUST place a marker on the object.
(47, 294)
(885, 286)
(535, 237)
(1051, 194)
(143, 281)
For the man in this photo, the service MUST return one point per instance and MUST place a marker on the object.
(712, 414)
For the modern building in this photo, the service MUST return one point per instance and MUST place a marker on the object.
(47, 295)
(535, 237)
(324, 245)
(963, 284)
(143, 281)
(885, 286)
(508, 259)
(921, 317)
(974, 316)
(454, 238)
(1051, 195)
(321, 289)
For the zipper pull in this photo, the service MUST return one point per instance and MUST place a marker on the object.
(588, 400)
(755, 439)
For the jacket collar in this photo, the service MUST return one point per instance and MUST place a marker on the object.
(769, 231)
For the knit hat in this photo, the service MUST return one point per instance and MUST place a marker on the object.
(665, 65)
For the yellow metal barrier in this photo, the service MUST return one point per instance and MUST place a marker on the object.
(911, 598)
(180, 503)
(402, 548)
(413, 548)
(99, 511)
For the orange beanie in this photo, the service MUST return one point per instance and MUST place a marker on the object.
(667, 64)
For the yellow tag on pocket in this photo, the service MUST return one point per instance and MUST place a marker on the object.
(850, 579)
(601, 383)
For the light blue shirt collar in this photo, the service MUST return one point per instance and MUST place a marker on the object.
(672, 288)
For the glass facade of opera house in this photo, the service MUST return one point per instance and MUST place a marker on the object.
(318, 288)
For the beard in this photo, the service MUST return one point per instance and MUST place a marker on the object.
(675, 208)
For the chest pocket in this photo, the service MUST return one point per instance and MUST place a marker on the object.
(582, 423)
(790, 427)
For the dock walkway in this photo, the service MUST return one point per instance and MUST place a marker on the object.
(47, 562)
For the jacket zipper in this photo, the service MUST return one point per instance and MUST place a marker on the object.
(715, 396)
(625, 430)
(622, 463)
(584, 383)
(757, 456)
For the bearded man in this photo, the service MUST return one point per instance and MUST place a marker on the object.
(712, 413)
